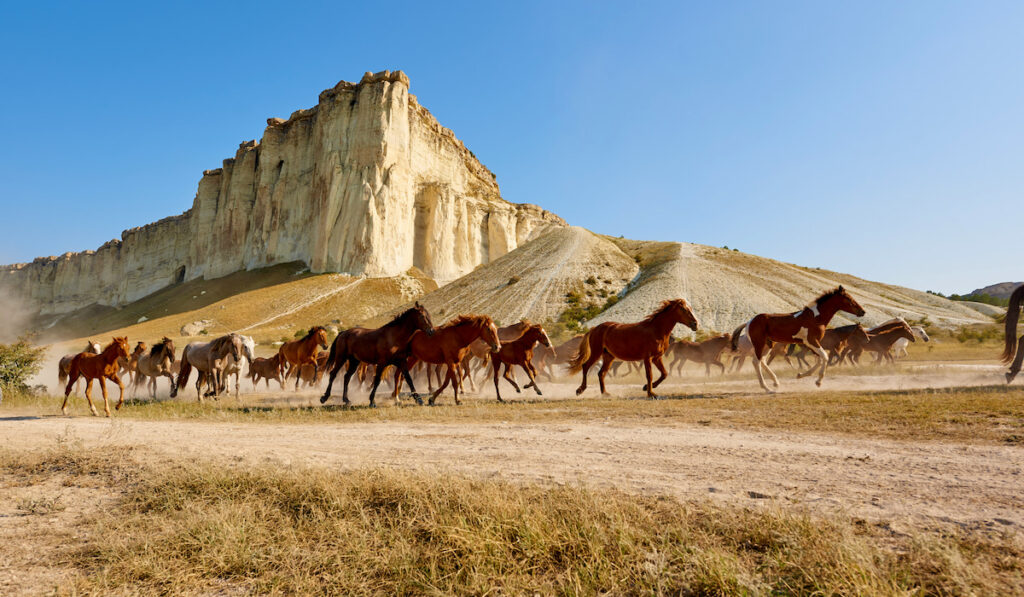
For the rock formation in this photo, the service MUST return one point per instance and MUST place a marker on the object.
(367, 182)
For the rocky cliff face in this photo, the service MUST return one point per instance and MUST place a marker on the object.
(367, 182)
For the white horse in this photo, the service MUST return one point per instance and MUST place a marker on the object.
(233, 366)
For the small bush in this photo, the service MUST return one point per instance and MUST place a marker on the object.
(591, 281)
(19, 362)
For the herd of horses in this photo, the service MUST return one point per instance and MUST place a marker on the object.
(411, 343)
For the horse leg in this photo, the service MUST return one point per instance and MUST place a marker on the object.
(660, 364)
(455, 372)
(88, 396)
(353, 364)
(103, 389)
(120, 398)
(647, 372)
(594, 356)
(71, 384)
(823, 358)
(377, 373)
(758, 358)
(1017, 361)
(494, 367)
(509, 379)
(608, 359)
(532, 374)
(408, 379)
(434, 396)
(718, 362)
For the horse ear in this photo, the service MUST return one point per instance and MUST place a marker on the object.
(841, 288)
(418, 304)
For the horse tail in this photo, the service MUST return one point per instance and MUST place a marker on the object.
(1012, 313)
(734, 341)
(582, 354)
(332, 353)
(62, 376)
(186, 369)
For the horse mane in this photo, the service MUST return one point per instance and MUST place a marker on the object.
(664, 306)
(401, 316)
(312, 332)
(219, 343)
(159, 347)
(830, 294)
(461, 319)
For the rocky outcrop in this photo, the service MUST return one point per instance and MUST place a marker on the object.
(366, 182)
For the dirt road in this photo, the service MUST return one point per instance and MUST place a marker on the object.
(969, 485)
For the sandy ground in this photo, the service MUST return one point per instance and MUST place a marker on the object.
(898, 482)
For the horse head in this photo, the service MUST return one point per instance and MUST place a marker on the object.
(489, 333)
(120, 346)
(921, 333)
(421, 319)
(542, 335)
(680, 310)
(846, 302)
(168, 347)
(93, 347)
(860, 334)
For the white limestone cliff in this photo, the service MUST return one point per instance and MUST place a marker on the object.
(366, 182)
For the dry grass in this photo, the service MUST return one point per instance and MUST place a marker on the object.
(189, 529)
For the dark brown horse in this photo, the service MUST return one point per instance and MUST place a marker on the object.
(878, 340)
(708, 352)
(303, 352)
(448, 345)
(645, 341)
(102, 366)
(386, 345)
(481, 351)
(519, 352)
(835, 342)
(806, 326)
(1013, 345)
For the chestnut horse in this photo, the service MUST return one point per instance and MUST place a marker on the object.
(878, 340)
(386, 345)
(645, 341)
(156, 364)
(708, 352)
(1013, 345)
(835, 342)
(519, 352)
(65, 362)
(448, 345)
(267, 369)
(311, 376)
(806, 326)
(480, 350)
(102, 366)
(303, 352)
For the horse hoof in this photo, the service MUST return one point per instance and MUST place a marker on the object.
(579, 391)
(538, 392)
(324, 398)
(818, 383)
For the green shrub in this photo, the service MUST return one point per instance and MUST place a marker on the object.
(19, 362)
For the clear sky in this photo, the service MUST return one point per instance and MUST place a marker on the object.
(883, 139)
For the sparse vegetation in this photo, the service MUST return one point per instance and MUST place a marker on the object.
(200, 528)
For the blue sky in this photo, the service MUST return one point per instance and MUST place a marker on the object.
(883, 139)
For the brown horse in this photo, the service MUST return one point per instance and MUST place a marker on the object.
(448, 345)
(645, 341)
(64, 366)
(386, 345)
(878, 340)
(156, 364)
(267, 369)
(547, 359)
(519, 352)
(806, 326)
(1013, 345)
(708, 352)
(310, 375)
(102, 366)
(835, 342)
(303, 352)
(480, 350)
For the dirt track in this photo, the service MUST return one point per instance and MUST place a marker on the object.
(965, 484)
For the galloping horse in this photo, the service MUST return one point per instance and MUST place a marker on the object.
(647, 341)
(267, 369)
(1013, 345)
(899, 348)
(65, 362)
(480, 350)
(102, 366)
(156, 364)
(311, 376)
(233, 366)
(878, 340)
(209, 359)
(546, 361)
(835, 342)
(448, 345)
(386, 345)
(519, 352)
(806, 326)
(303, 352)
(708, 352)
